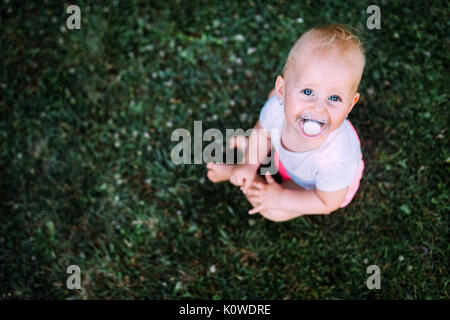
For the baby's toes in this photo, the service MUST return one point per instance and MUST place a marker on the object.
(218, 172)
(213, 175)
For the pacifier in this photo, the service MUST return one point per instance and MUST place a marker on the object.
(312, 127)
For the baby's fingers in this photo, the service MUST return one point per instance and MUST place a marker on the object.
(247, 184)
(255, 210)
(252, 193)
(258, 185)
(269, 178)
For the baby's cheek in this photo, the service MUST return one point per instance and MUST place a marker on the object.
(337, 121)
(293, 106)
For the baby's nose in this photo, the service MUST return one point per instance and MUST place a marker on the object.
(319, 106)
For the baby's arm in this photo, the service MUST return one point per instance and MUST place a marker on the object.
(276, 203)
(311, 201)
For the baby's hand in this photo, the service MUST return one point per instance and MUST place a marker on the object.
(266, 195)
(243, 175)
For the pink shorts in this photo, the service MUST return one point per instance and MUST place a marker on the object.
(352, 188)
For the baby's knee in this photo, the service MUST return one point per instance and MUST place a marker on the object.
(275, 215)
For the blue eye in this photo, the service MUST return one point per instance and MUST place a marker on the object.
(335, 98)
(308, 92)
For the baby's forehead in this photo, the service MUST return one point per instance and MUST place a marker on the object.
(330, 55)
(347, 63)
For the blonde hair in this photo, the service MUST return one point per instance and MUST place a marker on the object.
(326, 37)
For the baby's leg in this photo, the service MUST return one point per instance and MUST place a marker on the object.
(277, 215)
(218, 172)
(221, 172)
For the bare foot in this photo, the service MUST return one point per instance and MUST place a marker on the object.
(218, 172)
(221, 172)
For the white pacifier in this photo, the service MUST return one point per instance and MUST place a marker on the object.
(311, 128)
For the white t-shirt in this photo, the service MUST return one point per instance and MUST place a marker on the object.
(330, 167)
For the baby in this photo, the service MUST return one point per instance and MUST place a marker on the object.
(317, 150)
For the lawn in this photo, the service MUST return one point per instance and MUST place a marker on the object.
(87, 178)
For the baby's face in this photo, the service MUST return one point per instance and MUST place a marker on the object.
(319, 92)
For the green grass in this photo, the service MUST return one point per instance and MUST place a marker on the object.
(86, 176)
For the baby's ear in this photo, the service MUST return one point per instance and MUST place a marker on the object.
(279, 86)
(354, 101)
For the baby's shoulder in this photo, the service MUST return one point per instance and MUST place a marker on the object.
(272, 113)
(273, 105)
(343, 146)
